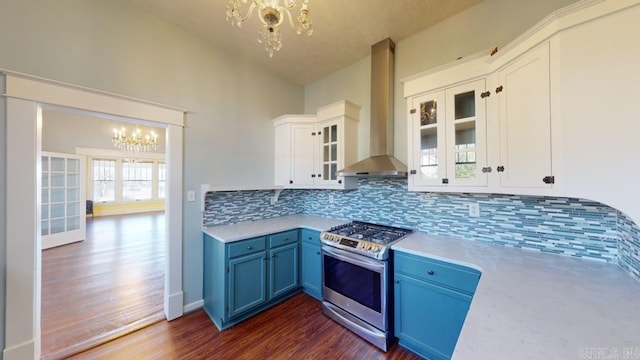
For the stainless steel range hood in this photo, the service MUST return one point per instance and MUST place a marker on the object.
(380, 162)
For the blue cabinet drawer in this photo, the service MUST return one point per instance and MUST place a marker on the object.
(246, 247)
(310, 236)
(452, 276)
(283, 238)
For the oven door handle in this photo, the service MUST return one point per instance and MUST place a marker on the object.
(374, 265)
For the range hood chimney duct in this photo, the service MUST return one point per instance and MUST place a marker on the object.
(380, 162)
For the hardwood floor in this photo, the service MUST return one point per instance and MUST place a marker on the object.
(294, 329)
(106, 286)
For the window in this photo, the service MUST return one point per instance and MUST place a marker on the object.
(123, 180)
(137, 180)
(104, 180)
(162, 180)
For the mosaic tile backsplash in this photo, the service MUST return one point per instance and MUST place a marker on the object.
(565, 226)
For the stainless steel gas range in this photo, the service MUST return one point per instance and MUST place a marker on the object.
(356, 278)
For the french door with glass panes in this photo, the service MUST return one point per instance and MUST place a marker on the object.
(448, 137)
(63, 199)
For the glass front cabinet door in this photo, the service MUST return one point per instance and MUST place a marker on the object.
(448, 133)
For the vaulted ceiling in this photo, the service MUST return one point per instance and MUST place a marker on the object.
(344, 30)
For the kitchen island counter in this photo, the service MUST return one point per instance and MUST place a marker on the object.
(531, 305)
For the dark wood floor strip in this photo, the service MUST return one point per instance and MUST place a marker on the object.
(104, 287)
(294, 329)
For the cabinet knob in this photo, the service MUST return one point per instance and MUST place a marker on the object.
(487, 169)
(445, 181)
(290, 181)
(313, 175)
(485, 94)
(317, 252)
(413, 172)
(500, 168)
(549, 179)
(274, 255)
(319, 175)
(499, 89)
(397, 281)
(430, 272)
(339, 181)
(249, 247)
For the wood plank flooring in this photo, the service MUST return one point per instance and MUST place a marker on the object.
(106, 286)
(294, 329)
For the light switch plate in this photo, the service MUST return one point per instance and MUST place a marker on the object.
(191, 195)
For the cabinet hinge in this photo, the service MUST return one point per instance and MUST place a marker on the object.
(499, 89)
(549, 179)
(445, 181)
(412, 111)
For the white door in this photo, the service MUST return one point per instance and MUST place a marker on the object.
(63, 199)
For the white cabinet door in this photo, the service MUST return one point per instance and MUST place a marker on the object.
(63, 218)
(466, 134)
(447, 145)
(525, 120)
(427, 140)
(302, 166)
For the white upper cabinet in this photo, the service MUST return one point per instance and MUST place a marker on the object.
(310, 149)
(448, 137)
(467, 136)
(525, 121)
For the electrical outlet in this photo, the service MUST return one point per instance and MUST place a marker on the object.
(474, 210)
(191, 195)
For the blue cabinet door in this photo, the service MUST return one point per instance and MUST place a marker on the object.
(247, 283)
(283, 269)
(311, 263)
(428, 318)
(312, 270)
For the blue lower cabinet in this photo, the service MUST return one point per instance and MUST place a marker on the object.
(283, 270)
(311, 263)
(244, 277)
(429, 305)
(247, 283)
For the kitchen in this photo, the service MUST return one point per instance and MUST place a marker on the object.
(200, 165)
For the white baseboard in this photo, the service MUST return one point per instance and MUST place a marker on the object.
(196, 305)
(24, 351)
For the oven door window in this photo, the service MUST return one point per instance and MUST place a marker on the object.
(355, 282)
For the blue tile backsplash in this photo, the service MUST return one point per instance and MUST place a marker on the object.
(565, 226)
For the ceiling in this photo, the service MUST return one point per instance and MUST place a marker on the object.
(344, 30)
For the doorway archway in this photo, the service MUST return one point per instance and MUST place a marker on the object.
(25, 98)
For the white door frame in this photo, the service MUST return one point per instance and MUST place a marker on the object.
(25, 97)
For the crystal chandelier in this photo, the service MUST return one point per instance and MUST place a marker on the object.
(272, 14)
(134, 142)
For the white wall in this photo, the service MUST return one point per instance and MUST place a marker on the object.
(110, 46)
(3, 210)
(483, 26)
(63, 130)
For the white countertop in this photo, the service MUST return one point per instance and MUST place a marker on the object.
(245, 230)
(528, 305)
